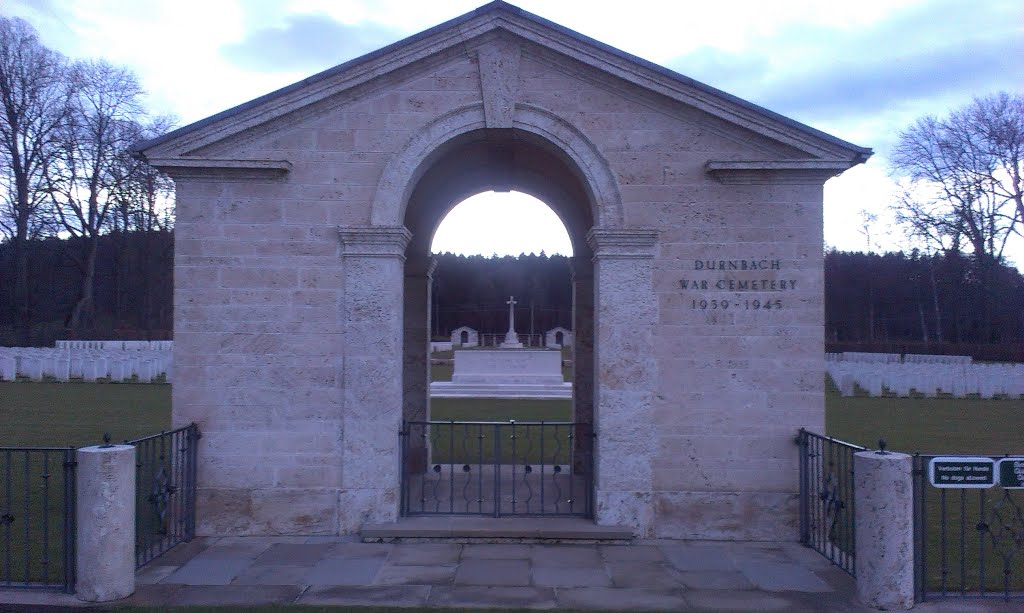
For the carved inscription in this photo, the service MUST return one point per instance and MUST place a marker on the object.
(752, 289)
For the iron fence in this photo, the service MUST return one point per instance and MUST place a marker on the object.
(165, 491)
(497, 468)
(969, 542)
(826, 498)
(37, 523)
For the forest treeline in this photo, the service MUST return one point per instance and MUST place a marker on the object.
(133, 291)
(941, 303)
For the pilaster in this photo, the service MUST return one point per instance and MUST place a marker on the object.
(625, 313)
(373, 260)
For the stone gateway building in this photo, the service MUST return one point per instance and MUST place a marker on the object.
(302, 272)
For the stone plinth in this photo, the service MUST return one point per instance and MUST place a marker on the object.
(106, 523)
(505, 373)
(500, 367)
(884, 524)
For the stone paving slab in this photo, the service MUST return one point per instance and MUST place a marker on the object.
(344, 571)
(380, 595)
(493, 572)
(736, 600)
(236, 595)
(653, 575)
(153, 595)
(345, 538)
(152, 573)
(715, 580)
(644, 553)
(415, 575)
(272, 575)
(491, 597)
(426, 553)
(184, 552)
(209, 572)
(358, 550)
(566, 556)
(497, 551)
(781, 577)
(570, 577)
(621, 599)
(689, 556)
(293, 554)
(233, 551)
(643, 575)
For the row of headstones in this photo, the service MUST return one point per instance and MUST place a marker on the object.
(468, 337)
(897, 358)
(120, 345)
(959, 380)
(37, 364)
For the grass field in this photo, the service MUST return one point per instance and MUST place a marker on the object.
(929, 425)
(77, 414)
(60, 414)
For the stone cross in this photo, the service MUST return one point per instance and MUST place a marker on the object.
(511, 302)
(511, 338)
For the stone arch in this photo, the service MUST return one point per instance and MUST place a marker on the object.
(404, 170)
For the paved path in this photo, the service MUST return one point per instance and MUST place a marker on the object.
(647, 575)
(651, 575)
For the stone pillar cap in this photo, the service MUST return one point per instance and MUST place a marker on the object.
(104, 448)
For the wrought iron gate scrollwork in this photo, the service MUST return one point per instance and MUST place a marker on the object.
(496, 468)
(165, 491)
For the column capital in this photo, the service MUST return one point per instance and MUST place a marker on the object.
(374, 241)
(623, 243)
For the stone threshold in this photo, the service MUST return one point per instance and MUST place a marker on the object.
(495, 530)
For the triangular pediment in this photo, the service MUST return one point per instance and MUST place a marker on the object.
(499, 20)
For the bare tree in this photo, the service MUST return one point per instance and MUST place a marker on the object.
(142, 206)
(95, 137)
(962, 175)
(33, 105)
(962, 181)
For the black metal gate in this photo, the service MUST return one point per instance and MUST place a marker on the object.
(826, 497)
(37, 518)
(165, 491)
(969, 542)
(497, 468)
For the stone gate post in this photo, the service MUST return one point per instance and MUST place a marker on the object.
(625, 312)
(105, 515)
(373, 259)
(884, 525)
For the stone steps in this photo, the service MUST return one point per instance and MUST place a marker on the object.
(495, 530)
(445, 389)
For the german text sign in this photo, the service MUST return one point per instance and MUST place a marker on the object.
(961, 471)
(1011, 473)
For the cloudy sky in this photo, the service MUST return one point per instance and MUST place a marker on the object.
(862, 70)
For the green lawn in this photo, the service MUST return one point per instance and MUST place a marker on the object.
(59, 414)
(928, 425)
(77, 414)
